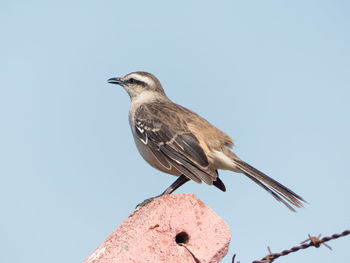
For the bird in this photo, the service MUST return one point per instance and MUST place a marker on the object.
(177, 141)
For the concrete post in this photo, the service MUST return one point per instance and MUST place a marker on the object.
(176, 228)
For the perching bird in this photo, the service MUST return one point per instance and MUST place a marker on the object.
(178, 141)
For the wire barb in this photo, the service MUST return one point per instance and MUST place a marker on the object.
(233, 258)
(312, 242)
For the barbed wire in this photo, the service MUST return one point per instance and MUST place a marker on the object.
(314, 242)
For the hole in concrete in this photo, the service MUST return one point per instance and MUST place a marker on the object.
(182, 238)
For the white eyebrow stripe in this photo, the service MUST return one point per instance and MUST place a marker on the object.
(142, 78)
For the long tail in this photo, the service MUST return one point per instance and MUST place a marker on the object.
(278, 191)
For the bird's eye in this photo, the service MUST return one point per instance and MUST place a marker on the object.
(132, 80)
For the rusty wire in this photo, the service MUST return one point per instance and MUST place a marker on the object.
(314, 242)
(233, 258)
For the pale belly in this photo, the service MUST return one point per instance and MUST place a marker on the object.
(149, 157)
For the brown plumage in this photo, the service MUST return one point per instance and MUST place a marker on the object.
(178, 141)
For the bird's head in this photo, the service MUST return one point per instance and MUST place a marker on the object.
(138, 83)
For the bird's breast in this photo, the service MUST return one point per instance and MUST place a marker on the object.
(149, 157)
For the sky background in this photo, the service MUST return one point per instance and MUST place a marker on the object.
(274, 75)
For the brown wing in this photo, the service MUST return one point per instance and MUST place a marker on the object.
(173, 144)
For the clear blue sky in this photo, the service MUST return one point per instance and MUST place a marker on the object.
(274, 75)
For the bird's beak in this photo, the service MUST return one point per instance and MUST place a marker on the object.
(117, 81)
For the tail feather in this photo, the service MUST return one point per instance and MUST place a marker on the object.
(219, 184)
(277, 190)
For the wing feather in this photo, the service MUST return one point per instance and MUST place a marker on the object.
(173, 146)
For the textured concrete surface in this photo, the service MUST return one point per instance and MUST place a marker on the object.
(172, 228)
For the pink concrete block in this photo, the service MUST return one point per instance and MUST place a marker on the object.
(173, 228)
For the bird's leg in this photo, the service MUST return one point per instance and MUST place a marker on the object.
(178, 182)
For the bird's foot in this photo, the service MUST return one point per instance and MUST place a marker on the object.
(145, 202)
(148, 200)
